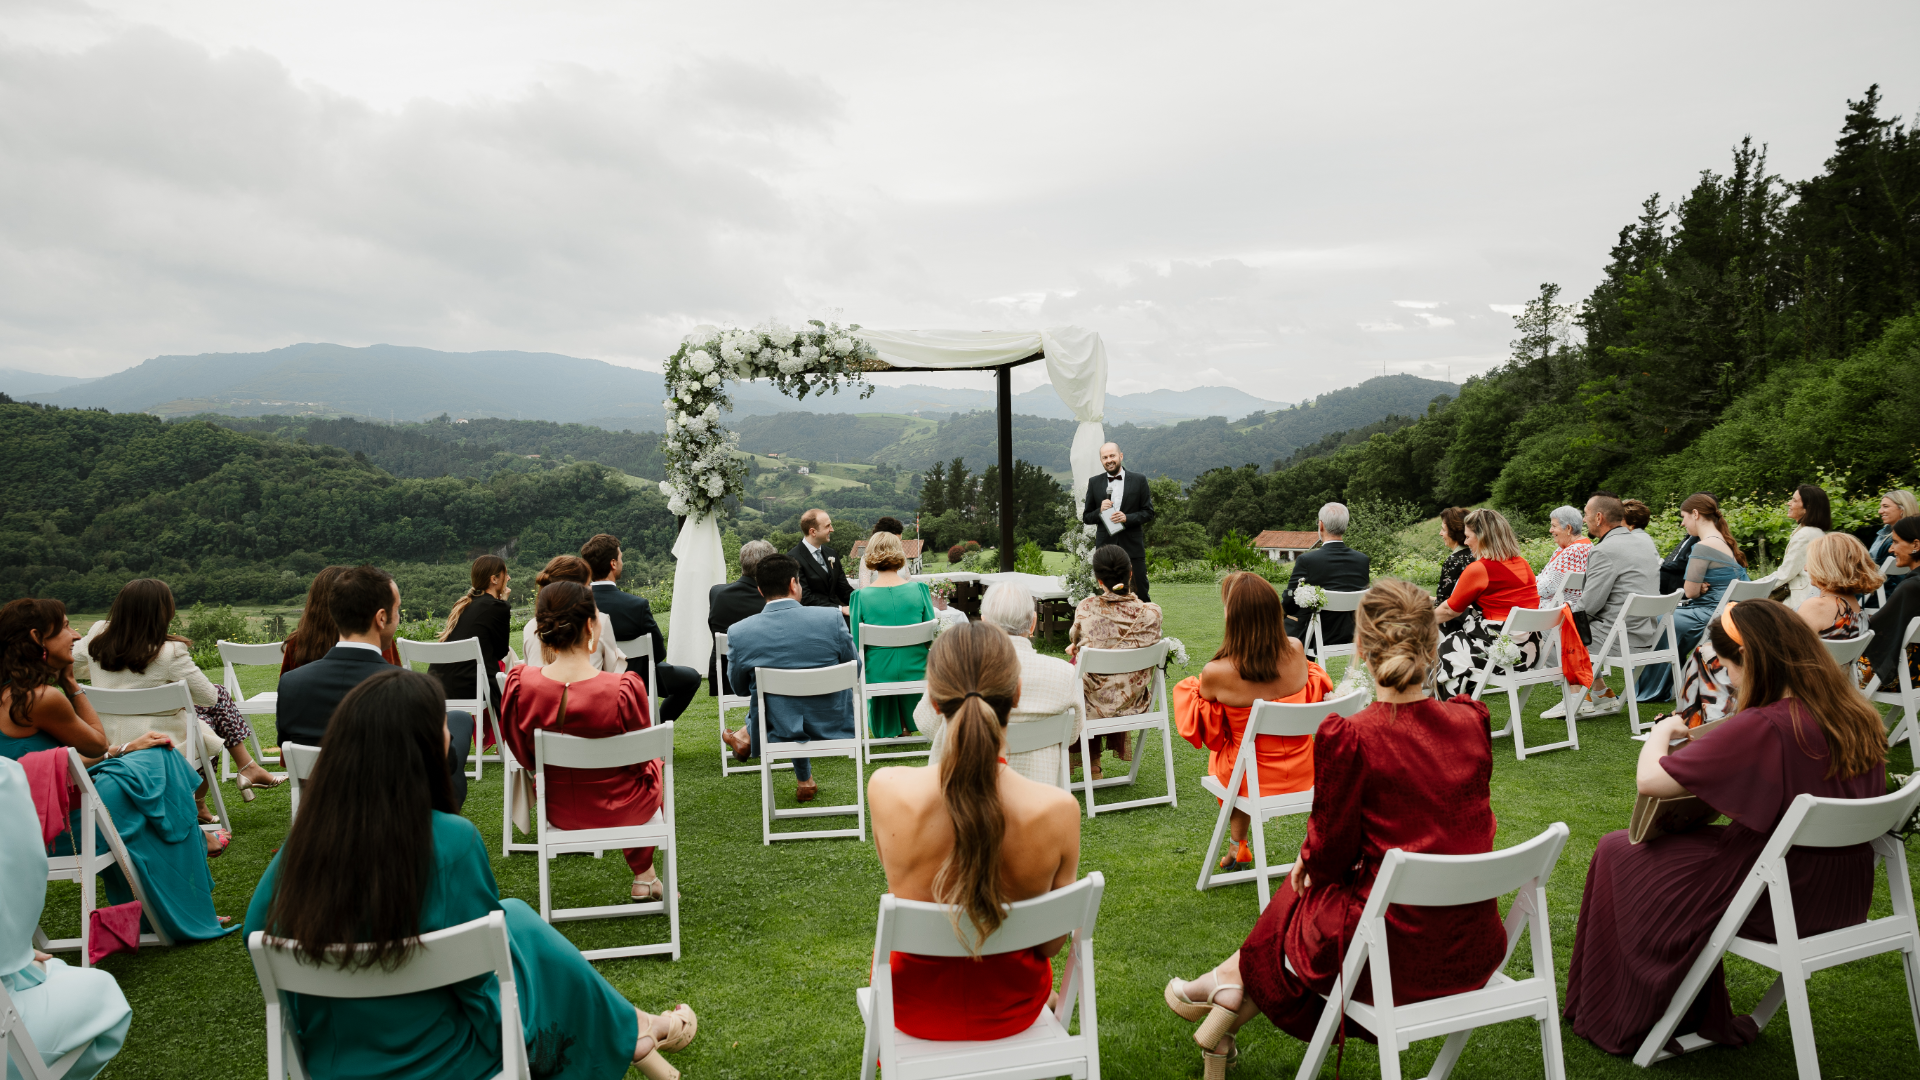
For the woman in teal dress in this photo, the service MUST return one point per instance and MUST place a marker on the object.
(1714, 563)
(146, 788)
(891, 600)
(378, 857)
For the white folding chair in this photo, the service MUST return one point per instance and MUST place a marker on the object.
(1809, 822)
(653, 743)
(1121, 662)
(893, 637)
(1443, 881)
(1316, 642)
(1046, 1049)
(1267, 719)
(299, 759)
(1739, 592)
(729, 765)
(1056, 730)
(1519, 684)
(16, 1045)
(1847, 652)
(1617, 650)
(1890, 569)
(86, 862)
(444, 957)
(233, 654)
(480, 706)
(167, 700)
(1905, 698)
(1573, 582)
(642, 648)
(810, 682)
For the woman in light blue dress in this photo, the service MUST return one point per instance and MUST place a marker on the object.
(1714, 563)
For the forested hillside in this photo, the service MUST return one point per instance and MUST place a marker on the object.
(475, 448)
(1741, 341)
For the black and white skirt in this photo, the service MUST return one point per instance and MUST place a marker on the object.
(1463, 650)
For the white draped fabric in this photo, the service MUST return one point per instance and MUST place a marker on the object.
(700, 564)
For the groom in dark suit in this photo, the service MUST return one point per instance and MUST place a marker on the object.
(1119, 505)
(1334, 566)
(823, 578)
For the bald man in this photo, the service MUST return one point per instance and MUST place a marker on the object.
(1119, 506)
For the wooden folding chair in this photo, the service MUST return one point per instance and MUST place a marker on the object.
(1056, 730)
(234, 654)
(1617, 650)
(16, 1046)
(728, 701)
(166, 701)
(86, 862)
(480, 705)
(1315, 641)
(641, 648)
(300, 760)
(1905, 697)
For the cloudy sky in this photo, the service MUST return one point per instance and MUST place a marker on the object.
(1286, 198)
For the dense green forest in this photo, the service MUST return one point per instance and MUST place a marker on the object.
(1755, 335)
(472, 448)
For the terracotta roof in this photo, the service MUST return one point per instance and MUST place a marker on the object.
(1286, 539)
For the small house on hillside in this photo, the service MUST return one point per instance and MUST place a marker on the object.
(911, 548)
(1283, 545)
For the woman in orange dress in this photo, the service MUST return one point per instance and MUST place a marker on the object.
(568, 695)
(1257, 661)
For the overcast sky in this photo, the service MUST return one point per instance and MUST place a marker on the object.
(1287, 198)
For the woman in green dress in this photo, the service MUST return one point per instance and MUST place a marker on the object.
(378, 857)
(891, 600)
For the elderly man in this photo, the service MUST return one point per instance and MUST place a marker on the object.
(1120, 504)
(1047, 685)
(729, 603)
(1622, 562)
(1333, 566)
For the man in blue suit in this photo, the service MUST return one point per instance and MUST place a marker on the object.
(787, 635)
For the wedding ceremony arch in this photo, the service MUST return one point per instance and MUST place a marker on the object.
(704, 468)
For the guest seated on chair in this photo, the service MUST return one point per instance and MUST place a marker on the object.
(1565, 526)
(570, 696)
(1889, 623)
(633, 618)
(1114, 618)
(482, 613)
(891, 600)
(1406, 772)
(1894, 505)
(1333, 565)
(148, 794)
(570, 568)
(974, 834)
(1623, 563)
(1257, 661)
(365, 605)
(1810, 507)
(1838, 566)
(314, 636)
(1498, 580)
(729, 603)
(1635, 515)
(379, 856)
(1714, 563)
(788, 635)
(1453, 524)
(1046, 684)
(1649, 907)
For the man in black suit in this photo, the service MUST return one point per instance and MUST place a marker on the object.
(823, 579)
(632, 617)
(1333, 566)
(729, 603)
(366, 607)
(1120, 505)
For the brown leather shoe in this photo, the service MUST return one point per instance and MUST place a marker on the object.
(739, 742)
(807, 790)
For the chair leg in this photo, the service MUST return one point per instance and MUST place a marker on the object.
(1213, 847)
(1633, 704)
(1513, 721)
(766, 801)
(1086, 770)
(506, 813)
(1910, 965)
(1166, 747)
(1800, 1018)
(1257, 832)
(672, 896)
(1451, 1050)
(1551, 1048)
(546, 884)
(213, 789)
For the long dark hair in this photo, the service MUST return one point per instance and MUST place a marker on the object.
(316, 634)
(1818, 507)
(1781, 656)
(480, 577)
(358, 862)
(1113, 568)
(973, 675)
(1708, 507)
(24, 667)
(136, 627)
(1256, 638)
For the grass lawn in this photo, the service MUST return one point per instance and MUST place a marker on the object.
(777, 939)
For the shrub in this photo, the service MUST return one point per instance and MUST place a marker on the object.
(957, 552)
(1029, 559)
(1235, 552)
(206, 627)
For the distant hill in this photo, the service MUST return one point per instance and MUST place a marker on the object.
(21, 383)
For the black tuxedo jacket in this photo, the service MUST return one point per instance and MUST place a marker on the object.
(1335, 566)
(821, 586)
(308, 695)
(632, 617)
(1136, 501)
(728, 604)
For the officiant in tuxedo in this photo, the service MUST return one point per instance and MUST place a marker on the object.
(1120, 505)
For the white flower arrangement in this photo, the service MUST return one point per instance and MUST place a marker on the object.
(1505, 653)
(1310, 597)
(1356, 677)
(1078, 580)
(1176, 652)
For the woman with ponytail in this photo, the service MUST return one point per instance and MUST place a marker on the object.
(485, 614)
(1114, 618)
(973, 834)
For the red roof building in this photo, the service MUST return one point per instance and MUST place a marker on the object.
(1284, 544)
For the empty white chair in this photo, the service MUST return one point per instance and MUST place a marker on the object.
(1905, 697)
(1265, 719)
(444, 957)
(1047, 1049)
(1573, 582)
(1519, 684)
(84, 865)
(166, 700)
(810, 682)
(1741, 591)
(233, 654)
(893, 637)
(299, 759)
(1809, 822)
(480, 706)
(653, 743)
(1315, 640)
(1120, 662)
(1617, 650)
(641, 648)
(729, 765)
(1441, 881)
(1055, 730)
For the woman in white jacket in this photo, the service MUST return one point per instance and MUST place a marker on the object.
(605, 657)
(1810, 507)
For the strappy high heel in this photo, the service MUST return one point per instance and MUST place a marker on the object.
(1214, 1066)
(655, 1067)
(1186, 1008)
(1219, 1018)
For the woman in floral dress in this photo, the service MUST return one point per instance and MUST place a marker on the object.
(1498, 581)
(1114, 618)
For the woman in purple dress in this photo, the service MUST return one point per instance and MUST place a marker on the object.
(1797, 727)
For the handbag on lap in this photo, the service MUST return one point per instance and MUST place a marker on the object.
(1656, 816)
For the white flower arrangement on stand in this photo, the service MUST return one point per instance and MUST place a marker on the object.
(1356, 677)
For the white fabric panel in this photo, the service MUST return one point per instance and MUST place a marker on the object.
(956, 349)
(700, 564)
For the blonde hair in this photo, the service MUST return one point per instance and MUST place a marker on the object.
(1838, 563)
(1397, 634)
(1902, 498)
(1494, 534)
(885, 552)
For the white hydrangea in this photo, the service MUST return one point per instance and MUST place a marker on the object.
(700, 360)
(704, 334)
(780, 336)
(711, 380)
(716, 484)
(696, 423)
(809, 352)
(842, 345)
(676, 505)
(792, 365)
(711, 413)
(730, 352)
(666, 489)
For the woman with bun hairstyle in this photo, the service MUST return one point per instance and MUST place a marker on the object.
(1406, 772)
(482, 613)
(1798, 728)
(570, 696)
(972, 833)
(570, 568)
(1114, 618)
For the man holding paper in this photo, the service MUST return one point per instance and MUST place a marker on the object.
(1119, 504)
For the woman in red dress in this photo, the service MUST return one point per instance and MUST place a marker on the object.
(972, 833)
(1648, 909)
(1256, 661)
(1406, 772)
(570, 696)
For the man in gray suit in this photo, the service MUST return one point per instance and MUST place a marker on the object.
(1622, 562)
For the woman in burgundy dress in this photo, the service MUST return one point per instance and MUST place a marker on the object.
(1406, 772)
(1648, 909)
(570, 696)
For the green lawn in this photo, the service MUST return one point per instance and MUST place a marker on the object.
(777, 939)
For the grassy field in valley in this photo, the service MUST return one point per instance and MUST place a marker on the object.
(776, 939)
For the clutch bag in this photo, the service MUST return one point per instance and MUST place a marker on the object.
(1655, 816)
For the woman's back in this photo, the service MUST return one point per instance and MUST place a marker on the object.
(914, 832)
(1414, 776)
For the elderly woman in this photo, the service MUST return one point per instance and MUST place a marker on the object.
(1046, 684)
(1114, 618)
(1813, 512)
(1498, 581)
(1894, 505)
(1568, 530)
(1453, 526)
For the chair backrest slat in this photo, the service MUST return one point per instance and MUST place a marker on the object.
(1121, 661)
(636, 648)
(1448, 880)
(1648, 606)
(299, 759)
(806, 682)
(1343, 601)
(1533, 620)
(1029, 735)
(444, 957)
(1294, 718)
(927, 929)
(1846, 650)
(234, 652)
(1913, 632)
(438, 652)
(720, 642)
(1574, 582)
(146, 701)
(894, 637)
(1828, 823)
(610, 752)
(1738, 591)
